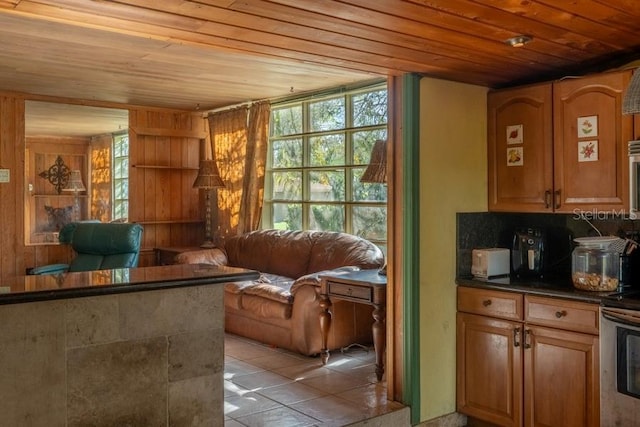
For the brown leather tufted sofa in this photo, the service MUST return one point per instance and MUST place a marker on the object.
(282, 307)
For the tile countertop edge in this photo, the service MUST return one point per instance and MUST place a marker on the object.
(553, 289)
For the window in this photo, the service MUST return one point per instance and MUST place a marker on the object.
(319, 148)
(120, 199)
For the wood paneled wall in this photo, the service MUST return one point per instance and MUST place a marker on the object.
(164, 159)
(162, 199)
(12, 249)
(40, 155)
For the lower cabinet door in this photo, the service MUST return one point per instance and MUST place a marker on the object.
(561, 378)
(489, 369)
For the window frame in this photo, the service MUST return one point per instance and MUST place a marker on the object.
(120, 174)
(350, 168)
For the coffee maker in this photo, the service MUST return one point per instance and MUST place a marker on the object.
(527, 253)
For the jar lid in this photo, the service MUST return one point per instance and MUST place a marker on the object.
(598, 241)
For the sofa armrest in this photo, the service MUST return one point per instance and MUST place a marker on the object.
(314, 278)
(305, 315)
(213, 256)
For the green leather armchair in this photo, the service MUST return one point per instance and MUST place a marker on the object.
(98, 246)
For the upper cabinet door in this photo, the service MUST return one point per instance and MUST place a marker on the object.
(520, 149)
(590, 139)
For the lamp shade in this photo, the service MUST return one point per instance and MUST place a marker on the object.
(631, 101)
(208, 175)
(75, 182)
(377, 169)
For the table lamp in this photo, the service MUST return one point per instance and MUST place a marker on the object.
(76, 185)
(208, 179)
(376, 173)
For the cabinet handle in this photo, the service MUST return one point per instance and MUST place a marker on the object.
(527, 338)
(560, 314)
(486, 302)
(516, 337)
(556, 202)
(547, 199)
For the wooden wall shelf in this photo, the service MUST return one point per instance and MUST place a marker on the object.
(163, 132)
(165, 167)
(164, 155)
(171, 221)
(59, 195)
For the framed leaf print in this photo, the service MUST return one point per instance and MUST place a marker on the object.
(514, 134)
(587, 127)
(588, 151)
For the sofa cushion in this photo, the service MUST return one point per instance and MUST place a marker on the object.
(294, 253)
(214, 256)
(281, 252)
(270, 292)
(268, 286)
(332, 250)
(266, 308)
(237, 288)
(233, 293)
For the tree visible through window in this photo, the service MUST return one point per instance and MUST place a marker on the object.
(318, 150)
(120, 198)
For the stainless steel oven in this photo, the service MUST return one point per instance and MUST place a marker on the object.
(620, 360)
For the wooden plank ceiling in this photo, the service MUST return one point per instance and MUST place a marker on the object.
(205, 54)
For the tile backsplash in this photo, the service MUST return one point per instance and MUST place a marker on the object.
(496, 229)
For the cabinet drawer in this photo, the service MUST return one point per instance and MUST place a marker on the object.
(506, 305)
(350, 291)
(563, 314)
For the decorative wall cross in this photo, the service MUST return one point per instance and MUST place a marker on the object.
(58, 174)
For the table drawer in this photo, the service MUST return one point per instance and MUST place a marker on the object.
(505, 305)
(354, 292)
(563, 314)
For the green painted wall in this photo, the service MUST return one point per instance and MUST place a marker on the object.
(453, 178)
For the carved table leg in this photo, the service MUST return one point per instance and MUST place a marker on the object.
(379, 337)
(325, 325)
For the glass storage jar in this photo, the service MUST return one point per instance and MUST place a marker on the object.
(594, 264)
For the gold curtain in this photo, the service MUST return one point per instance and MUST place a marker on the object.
(240, 146)
(255, 165)
(101, 178)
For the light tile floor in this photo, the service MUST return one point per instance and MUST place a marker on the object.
(267, 386)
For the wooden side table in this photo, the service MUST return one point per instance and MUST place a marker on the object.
(165, 256)
(363, 286)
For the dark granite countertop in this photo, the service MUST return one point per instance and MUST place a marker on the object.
(104, 282)
(558, 288)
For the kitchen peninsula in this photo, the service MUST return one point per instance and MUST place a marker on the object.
(140, 346)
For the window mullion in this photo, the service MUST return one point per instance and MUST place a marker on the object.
(334, 118)
(306, 161)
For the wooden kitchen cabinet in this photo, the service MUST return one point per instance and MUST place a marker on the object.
(489, 359)
(560, 146)
(561, 362)
(489, 369)
(587, 112)
(520, 173)
(538, 370)
(560, 378)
